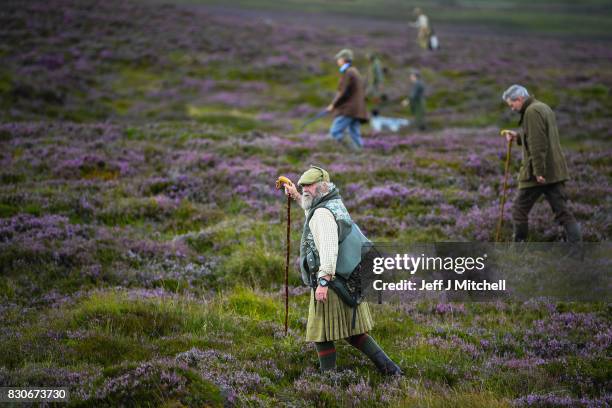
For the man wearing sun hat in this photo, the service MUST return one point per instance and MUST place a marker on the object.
(348, 106)
(331, 242)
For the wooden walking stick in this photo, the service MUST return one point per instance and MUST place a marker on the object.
(279, 184)
(503, 200)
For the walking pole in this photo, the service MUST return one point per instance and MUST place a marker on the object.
(314, 118)
(279, 184)
(503, 200)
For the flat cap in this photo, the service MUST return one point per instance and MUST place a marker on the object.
(345, 53)
(312, 175)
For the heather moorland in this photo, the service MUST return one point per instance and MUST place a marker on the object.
(142, 240)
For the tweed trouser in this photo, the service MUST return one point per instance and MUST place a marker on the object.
(553, 193)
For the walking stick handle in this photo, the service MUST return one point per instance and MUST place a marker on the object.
(282, 181)
(506, 132)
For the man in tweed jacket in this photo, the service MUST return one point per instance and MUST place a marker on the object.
(348, 106)
(544, 169)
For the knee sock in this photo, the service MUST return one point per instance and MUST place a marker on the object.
(327, 355)
(365, 344)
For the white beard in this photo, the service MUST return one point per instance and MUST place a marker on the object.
(306, 201)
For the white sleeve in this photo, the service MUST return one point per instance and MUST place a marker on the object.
(423, 21)
(325, 233)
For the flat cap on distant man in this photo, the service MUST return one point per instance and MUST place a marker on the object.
(346, 54)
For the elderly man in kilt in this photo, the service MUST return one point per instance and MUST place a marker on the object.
(330, 242)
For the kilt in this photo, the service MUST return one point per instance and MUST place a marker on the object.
(332, 320)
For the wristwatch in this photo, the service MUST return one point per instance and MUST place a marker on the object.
(323, 282)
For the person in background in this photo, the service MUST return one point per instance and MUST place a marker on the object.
(376, 78)
(543, 170)
(416, 99)
(348, 106)
(422, 25)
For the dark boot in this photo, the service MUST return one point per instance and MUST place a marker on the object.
(572, 232)
(520, 232)
(574, 237)
(385, 365)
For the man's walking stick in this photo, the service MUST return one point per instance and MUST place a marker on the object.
(314, 118)
(279, 184)
(503, 200)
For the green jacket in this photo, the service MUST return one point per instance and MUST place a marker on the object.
(417, 95)
(351, 241)
(542, 154)
(376, 77)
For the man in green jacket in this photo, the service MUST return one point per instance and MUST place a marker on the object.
(543, 170)
(416, 99)
(329, 237)
(376, 78)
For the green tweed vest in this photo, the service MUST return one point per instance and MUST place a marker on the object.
(350, 240)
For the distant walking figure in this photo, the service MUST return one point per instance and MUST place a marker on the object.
(416, 99)
(422, 25)
(543, 170)
(349, 106)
